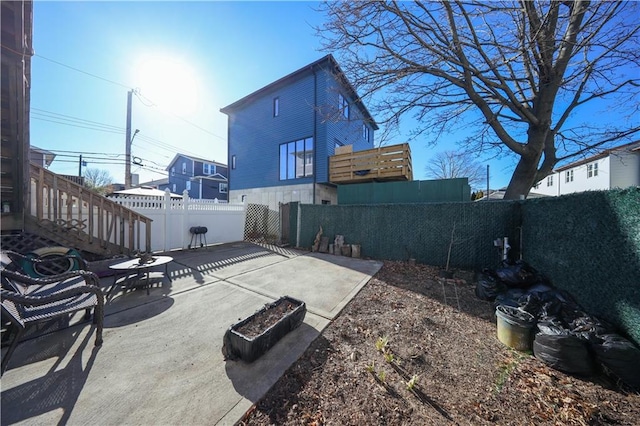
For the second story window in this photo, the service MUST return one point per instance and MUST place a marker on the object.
(184, 168)
(568, 176)
(550, 180)
(365, 132)
(276, 107)
(233, 161)
(208, 169)
(592, 170)
(173, 171)
(296, 159)
(343, 105)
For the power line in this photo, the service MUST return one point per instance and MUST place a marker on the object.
(71, 118)
(77, 125)
(83, 72)
(135, 91)
(84, 152)
(153, 104)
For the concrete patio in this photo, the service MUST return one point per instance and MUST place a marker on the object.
(161, 361)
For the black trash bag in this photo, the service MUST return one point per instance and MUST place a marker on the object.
(589, 328)
(619, 357)
(553, 327)
(564, 352)
(550, 309)
(531, 302)
(487, 286)
(519, 274)
(510, 297)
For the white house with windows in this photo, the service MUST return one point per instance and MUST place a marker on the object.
(617, 167)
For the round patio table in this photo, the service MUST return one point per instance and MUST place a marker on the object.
(134, 266)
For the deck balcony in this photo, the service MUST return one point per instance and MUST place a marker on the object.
(387, 163)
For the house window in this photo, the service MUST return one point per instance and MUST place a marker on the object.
(173, 188)
(173, 171)
(365, 132)
(188, 185)
(537, 185)
(592, 170)
(276, 107)
(184, 168)
(343, 104)
(233, 161)
(223, 188)
(296, 159)
(550, 180)
(568, 176)
(208, 169)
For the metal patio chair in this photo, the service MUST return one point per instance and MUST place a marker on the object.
(26, 300)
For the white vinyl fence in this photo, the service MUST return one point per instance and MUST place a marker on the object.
(174, 217)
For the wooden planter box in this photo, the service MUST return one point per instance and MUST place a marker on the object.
(256, 334)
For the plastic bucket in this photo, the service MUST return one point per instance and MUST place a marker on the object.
(515, 327)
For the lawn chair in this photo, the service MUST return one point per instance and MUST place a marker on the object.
(27, 300)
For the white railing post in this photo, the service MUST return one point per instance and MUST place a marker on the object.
(185, 218)
(166, 224)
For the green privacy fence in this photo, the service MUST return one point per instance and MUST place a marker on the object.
(418, 231)
(588, 243)
(416, 191)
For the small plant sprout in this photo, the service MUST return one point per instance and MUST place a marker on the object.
(382, 376)
(411, 384)
(388, 356)
(371, 367)
(381, 343)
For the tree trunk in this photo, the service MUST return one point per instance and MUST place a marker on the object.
(522, 179)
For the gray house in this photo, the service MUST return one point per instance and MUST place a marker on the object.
(281, 136)
(203, 179)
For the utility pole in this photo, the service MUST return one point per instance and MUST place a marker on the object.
(80, 166)
(127, 160)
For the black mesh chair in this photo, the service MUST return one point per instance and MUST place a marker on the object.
(26, 300)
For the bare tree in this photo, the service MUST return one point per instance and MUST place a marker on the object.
(98, 179)
(517, 71)
(453, 164)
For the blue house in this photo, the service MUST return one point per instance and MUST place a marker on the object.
(203, 179)
(281, 136)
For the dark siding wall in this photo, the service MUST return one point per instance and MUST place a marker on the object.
(255, 135)
(334, 127)
(211, 190)
(180, 179)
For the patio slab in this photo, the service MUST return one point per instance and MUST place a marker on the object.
(161, 361)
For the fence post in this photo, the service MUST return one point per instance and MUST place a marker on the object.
(185, 218)
(166, 225)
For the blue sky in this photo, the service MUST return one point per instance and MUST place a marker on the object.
(222, 50)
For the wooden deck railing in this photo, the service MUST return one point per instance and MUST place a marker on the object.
(379, 164)
(98, 224)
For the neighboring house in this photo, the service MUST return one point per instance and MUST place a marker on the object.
(41, 157)
(281, 136)
(203, 179)
(161, 184)
(617, 167)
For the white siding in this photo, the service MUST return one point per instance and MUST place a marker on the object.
(625, 169)
(581, 182)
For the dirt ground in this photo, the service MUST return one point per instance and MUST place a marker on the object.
(406, 350)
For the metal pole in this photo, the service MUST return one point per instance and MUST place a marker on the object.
(80, 166)
(127, 160)
(487, 182)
